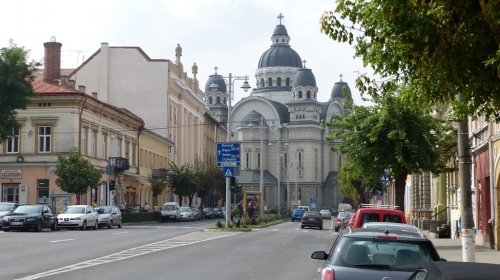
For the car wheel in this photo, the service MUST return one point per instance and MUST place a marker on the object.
(336, 229)
(120, 224)
(301, 226)
(110, 224)
(54, 226)
(320, 228)
(96, 225)
(6, 229)
(39, 226)
(84, 225)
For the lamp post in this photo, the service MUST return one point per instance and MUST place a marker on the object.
(214, 87)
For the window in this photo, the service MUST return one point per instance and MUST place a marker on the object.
(84, 141)
(13, 142)
(286, 159)
(119, 148)
(300, 159)
(175, 115)
(287, 82)
(93, 140)
(104, 145)
(134, 147)
(270, 82)
(261, 83)
(308, 94)
(218, 100)
(43, 191)
(248, 160)
(300, 94)
(44, 139)
(258, 160)
(127, 147)
(282, 40)
(210, 99)
(278, 82)
(112, 146)
(171, 111)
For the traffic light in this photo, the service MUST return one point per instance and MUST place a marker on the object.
(239, 188)
(233, 184)
(112, 185)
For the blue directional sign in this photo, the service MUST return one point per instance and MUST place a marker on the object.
(228, 154)
(228, 171)
(384, 178)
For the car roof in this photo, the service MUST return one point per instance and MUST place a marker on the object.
(373, 232)
(461, 270)
(378, 210)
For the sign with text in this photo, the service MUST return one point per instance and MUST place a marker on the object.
(12, 174)
(228, 154)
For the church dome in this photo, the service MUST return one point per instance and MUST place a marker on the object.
(280, 30)
(280, 55)
(337, 91)
(304, 77)
(219, 80)
(253, 117)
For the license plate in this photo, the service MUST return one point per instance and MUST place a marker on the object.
(172, 216)
(65, 223)
(16, 223)
(312, 219)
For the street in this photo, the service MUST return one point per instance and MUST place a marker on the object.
(165, 251)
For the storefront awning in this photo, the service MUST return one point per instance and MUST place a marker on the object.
(143, 181)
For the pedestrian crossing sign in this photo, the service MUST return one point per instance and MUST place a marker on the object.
(228, 171)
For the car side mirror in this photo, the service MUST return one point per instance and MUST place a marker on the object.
(319, 255)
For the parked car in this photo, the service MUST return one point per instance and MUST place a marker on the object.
(196, 213)
(7, 208)
(325, 214)
(186, 214)
(218, 212)
(78, 216)
(209, 214)
(341, 217)
(30, 216)
(371, 253)
(304, 207)
(170, 211)
(223, 208)
(391, 226)
(456, 270)
(297, 214)
(311, 219)
(109, 216)
(376, 213)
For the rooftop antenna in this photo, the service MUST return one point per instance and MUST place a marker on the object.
(78, 55)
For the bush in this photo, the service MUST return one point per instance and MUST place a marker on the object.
(271, 211)
(136, 217)
(219, 224)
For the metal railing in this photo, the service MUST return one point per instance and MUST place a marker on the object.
(379, 206)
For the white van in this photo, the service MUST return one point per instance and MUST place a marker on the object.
(170, 211)
(304, 207)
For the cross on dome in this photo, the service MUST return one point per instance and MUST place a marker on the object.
(304, 61)
(280, 17)
(216, 70)
(341, 77)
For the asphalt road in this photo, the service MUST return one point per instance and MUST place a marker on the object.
(165, 251)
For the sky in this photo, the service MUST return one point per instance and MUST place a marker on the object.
(229, 34)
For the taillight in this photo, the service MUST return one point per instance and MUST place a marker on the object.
(320, 219)
(302, 218)
(390, 237)
(338, 219)
(327, 274)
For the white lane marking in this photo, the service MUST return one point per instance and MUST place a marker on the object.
(63, 240)
(120, 232)
(183, 240)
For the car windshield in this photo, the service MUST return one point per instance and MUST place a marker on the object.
(74, 210)
(206, 209)
(28, 209)
(216, 209)
(168, 207)
(5, 207)
(395, 254)
(184, 209)
(324, 211)
(223, 208)
(299, 211)
(103, 210)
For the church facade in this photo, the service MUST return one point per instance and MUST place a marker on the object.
(283, 149)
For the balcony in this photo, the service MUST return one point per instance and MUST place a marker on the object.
(120, 164)
(159, 173)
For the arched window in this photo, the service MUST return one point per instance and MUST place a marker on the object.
(300, 94)
(278, 82)
(262, 82)
(210, 100)
(297, 117)
(218, 99)
(303, 116)
(287, 83)
(224, 100)
(270, 82)
(308, 94)
(314, 95)
(283, 40)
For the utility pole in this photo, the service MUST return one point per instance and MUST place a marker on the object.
(467, 222)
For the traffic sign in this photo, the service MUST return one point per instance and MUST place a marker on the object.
(228, 154)
(384, 178)
(313, 202)
(228, 171)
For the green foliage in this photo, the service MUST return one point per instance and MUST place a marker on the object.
(16, 91)
(209, 180)
(76, 175)
(158, 185)
(437, 48)
(183, 180)
(273, 210)
(393, 135)
(137, 217)
(219, 224)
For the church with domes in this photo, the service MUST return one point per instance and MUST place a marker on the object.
(284, 153)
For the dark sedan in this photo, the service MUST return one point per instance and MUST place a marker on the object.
(30, 216)
(208, 213)
(218, 212)
(311, 219)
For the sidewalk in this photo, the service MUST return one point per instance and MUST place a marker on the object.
(451, 250)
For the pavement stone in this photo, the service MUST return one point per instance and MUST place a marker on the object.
(451, 250)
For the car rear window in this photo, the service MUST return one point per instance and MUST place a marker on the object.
(299, 212)
(392, 218)
(397, 254)
(311, 214)
(369, 218)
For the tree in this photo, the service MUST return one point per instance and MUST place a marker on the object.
(16, 91)
(209, 179)
(158, 185)
(438, 48)
(393, 136)
(75, 175)
(183, 181)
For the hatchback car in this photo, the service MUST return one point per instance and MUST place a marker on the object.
(109, 216)
(297, 214)
(7, 208)
(187, 214)
(325, 214)
(311, 219)
(370, 253)
(30, 216)
(78, 216)
(342, 219)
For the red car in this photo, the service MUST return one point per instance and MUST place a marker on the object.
(376, 213)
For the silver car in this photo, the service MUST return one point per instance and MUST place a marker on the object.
(325, 214)
(342, 219)
(197, 213)
(187, 214)
(6, 208)
(109, 216)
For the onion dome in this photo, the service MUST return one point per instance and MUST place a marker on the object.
(304, 77)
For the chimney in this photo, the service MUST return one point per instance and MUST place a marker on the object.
(81, 88)
(94, 94)
(52, 63)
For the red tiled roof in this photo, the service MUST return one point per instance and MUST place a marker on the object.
(42, 87)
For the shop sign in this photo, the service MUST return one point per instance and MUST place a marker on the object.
(12, 174)
(53, 170)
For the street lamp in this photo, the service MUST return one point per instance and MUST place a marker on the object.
(230, 84)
